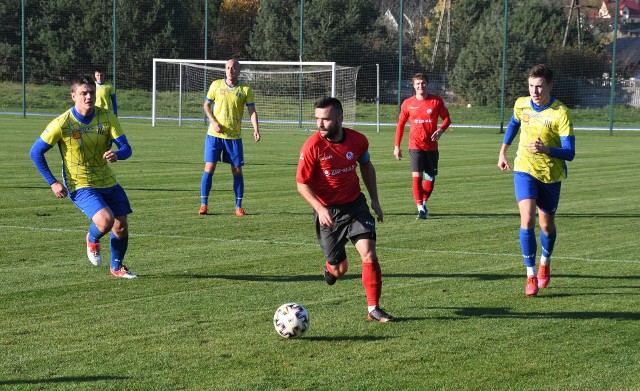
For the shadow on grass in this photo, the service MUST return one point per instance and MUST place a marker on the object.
(356, 275)
(363, 338)
(506, 313)
(436, 216)
(64, 379)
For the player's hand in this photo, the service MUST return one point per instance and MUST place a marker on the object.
(216, 127)
(397, 152)
(503, 163)
(58, 189)
(375, 205)
(324, 218)
(256, 135)
(436, 135)
(110, 156)
(538, 147)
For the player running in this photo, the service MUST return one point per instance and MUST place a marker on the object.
(422, 111)
(84, 135)
(326, 178)
(546, 142)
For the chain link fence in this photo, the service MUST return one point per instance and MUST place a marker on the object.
(475, 52)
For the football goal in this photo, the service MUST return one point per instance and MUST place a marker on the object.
(284, 91)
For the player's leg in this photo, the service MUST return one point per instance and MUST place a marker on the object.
(119, 241)
(332, 241)
(362, 233)
(234, 155)
(92, 204)
(211, 157)
(547, 205)
(526, 195)
(417, 165)
(430, 173)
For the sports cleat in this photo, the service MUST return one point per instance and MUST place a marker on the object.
(123, 272)
(93, 252)
(532, 286)
(379, 315)
(203, 210)
(544, 275)
(422, 215)
(328, 277)
(239, 212)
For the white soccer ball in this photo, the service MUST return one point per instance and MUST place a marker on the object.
(291, 320)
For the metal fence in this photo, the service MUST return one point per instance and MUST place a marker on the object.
(45, 42)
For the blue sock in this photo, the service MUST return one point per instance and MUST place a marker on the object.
(547, 243)
(529, 246)
(118, 247)
(205, 187)
(238, 189)
(94, 233)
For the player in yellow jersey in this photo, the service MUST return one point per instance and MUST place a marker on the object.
(105, 93)
(84, 135)
(547, 141)
(224, 107)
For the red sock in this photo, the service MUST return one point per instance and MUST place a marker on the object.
(427, 188)
(372, 281)
(417, 190)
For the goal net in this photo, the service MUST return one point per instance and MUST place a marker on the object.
(284, 91)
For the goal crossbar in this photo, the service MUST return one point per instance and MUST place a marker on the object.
(282, 88)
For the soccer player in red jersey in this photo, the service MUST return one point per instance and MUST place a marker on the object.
(327, 180)
(422, 111)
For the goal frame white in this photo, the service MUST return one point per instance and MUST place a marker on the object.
(300, 64)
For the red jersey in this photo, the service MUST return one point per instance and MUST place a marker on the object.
(423, 116)
(329, 169)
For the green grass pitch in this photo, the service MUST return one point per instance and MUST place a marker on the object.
(199, 317)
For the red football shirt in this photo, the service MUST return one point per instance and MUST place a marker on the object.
(329, 169)
(423, 116)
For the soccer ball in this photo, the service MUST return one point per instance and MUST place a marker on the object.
(291, 320)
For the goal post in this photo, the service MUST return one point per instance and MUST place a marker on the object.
(284, 91)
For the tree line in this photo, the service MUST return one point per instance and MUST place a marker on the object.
(66, 37)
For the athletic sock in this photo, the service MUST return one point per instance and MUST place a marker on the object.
(94, 233)
(547, 242)
(528, 245)
(427, 187)
(205, 187)
(372, 282)
(417, 189)
(118, 247)
(238, 189)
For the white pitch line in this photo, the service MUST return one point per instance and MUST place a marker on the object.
(276, 242)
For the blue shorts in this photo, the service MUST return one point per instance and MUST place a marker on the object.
(231, 151)
(547, 195)
(90, 200)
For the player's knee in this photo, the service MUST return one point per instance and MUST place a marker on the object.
(340, 269)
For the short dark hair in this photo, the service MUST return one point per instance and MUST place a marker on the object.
(542, 71)
(80, 80)
(327, 101)
(420, 76)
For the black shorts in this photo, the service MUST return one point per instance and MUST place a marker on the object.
(424, 161)
(351, 221)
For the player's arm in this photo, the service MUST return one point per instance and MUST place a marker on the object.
(444, 125)
(368, 173)
(567, 150)
(124, 151)
(509, 136)
(402, 121)
(114, 103)
(206, 107)
(324, 217)
(39, 148)
(253, 114)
